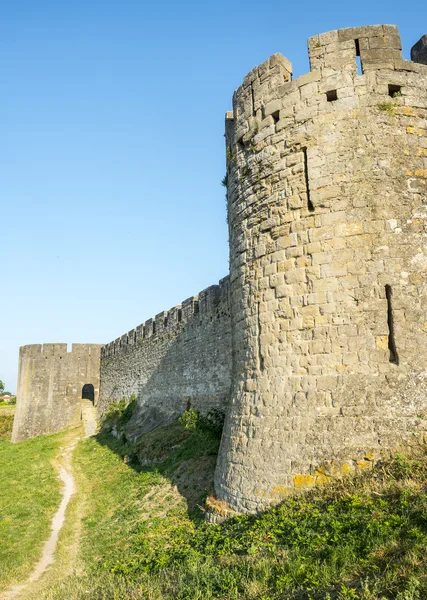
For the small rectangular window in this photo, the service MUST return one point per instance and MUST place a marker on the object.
(394, 91)
(331, 96)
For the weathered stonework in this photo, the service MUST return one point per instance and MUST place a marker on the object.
(419, 51)
(317, 341)
(50, 387)
(327, 219)
(179, 359)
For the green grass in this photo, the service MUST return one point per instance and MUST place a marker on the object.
(6, 422)
(144, 537)
(29, 495)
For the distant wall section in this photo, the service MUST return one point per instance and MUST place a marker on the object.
(50, 383)
(180, 358)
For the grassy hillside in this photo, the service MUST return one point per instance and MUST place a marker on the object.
(143, 535)
(29, 495)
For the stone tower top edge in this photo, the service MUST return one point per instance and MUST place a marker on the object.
(53, 349)
(343, 53)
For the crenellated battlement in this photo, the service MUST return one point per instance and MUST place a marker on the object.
(268, 99)
(58, 350)
(180, 358)
(316, 343)
(171, 322)
(378, 46)
(51, 383)
(326, 193)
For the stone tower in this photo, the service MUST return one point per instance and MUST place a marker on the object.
(51, 385)
(327, 206)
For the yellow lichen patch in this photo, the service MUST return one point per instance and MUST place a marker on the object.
(345, 468)
(421, 151)
(321, 477)
(218, 506)
(424, 326)
(407, 110)
(409, 173)
(363, 464)
(421, 173)
(382, 342)
(301, 481)
(279, 491)
(415, 130)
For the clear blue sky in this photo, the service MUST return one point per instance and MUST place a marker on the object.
(112, 150)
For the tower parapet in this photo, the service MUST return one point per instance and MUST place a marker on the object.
(50, 387)
(326, 186)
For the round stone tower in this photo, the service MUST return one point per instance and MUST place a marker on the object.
(327, 205)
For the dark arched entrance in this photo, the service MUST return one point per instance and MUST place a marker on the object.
(88, 392)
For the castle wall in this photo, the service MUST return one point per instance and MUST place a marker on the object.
(179, 359)
(50, 382)
(327, 219)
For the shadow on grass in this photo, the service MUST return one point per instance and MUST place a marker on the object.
(185, 458)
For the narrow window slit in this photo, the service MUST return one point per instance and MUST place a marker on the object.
(394, 358)
(331, 96)
(154, 327)
(394, 91)
(196, 307)
(358, 59)
(253, 99)
(310, 205)
(165, 322)
(260, 354)
(134, 338)
(179, 315)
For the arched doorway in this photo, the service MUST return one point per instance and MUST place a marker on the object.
(88, 392)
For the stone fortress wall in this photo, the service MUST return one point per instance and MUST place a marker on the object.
(181, 358)
(317, 341)
(50, 387)
(327, 205)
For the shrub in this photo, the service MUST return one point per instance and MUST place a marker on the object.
(190, 419)
(118, 413)
(213, 421)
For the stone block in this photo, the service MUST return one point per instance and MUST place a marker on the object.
(419, 51)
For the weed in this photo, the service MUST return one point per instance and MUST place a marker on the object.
(230, 156)
(189, 419)
(387, 107)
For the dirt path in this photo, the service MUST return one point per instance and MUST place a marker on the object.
(63, 464)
